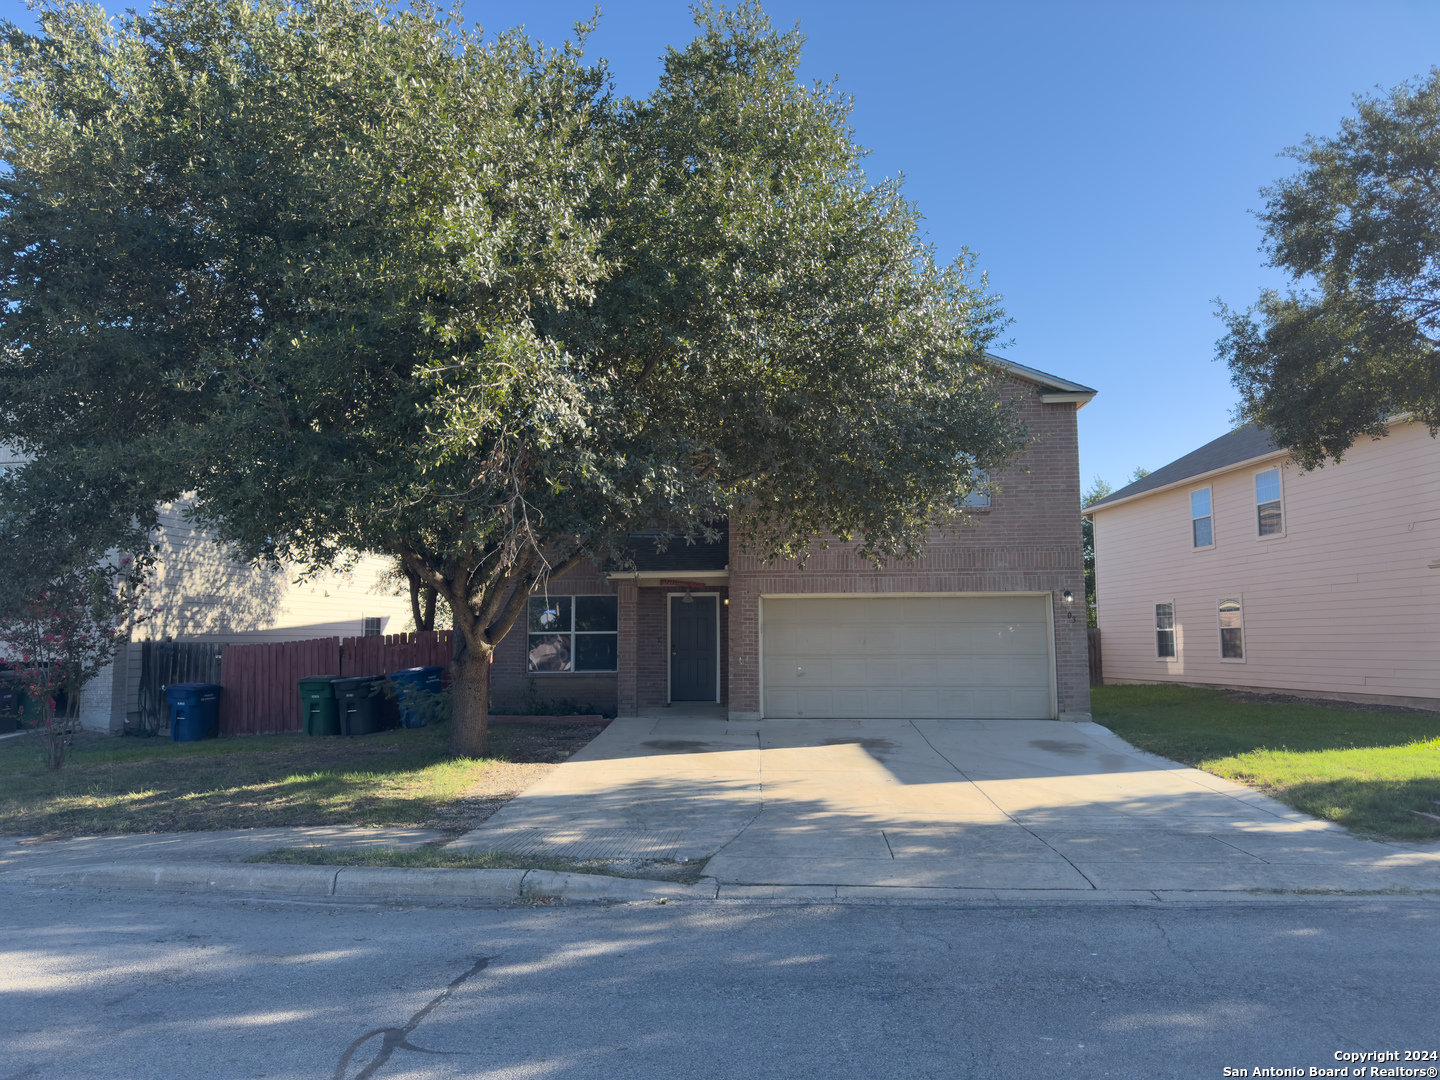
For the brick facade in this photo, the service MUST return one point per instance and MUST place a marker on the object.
(1027, 540)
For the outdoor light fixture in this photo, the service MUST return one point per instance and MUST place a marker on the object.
(1069, 596)
(687, 599)
(726, 601)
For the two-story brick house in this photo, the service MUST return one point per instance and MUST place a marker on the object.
(983, 624)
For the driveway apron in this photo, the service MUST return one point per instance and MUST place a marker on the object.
(969, 806)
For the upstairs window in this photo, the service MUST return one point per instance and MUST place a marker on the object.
(1270, 516)
(574, 633)
(981, 495)
(1232, 629)
(1165, 631)
(1202, 523)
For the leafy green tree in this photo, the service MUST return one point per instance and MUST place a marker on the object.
(1359, 222)
(360, 280)
(1098, 490)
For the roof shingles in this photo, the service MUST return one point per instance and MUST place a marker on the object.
(1243, 444)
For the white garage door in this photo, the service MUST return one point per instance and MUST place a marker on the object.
(907, 657)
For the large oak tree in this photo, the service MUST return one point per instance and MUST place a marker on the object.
(1358, 229)
(357, 279)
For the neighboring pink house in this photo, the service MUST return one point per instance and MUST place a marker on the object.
(1233, 568)
(989, 623)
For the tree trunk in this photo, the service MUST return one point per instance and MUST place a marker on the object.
(470, 703)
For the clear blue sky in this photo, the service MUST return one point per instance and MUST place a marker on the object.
(1101, 158)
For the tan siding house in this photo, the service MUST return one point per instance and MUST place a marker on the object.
(205, 596)
(1201, 578)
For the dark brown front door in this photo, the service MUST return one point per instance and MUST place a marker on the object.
(693, 656)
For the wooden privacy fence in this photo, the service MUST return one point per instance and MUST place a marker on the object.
(393, 652)
(164, 663)
(1097, 667)
(260, 696)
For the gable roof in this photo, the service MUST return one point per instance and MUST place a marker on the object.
(1246, 443)
(1052, 387)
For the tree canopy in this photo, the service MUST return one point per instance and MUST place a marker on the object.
(1358, 229)
(358, 279)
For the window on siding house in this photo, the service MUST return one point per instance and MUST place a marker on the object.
(372, 626)
(1232, 629)
(1165, 631)
(574, 633)
(1269, 514)
(1202, 523)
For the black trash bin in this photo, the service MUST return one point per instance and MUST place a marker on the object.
(361, 705)
(194, 711)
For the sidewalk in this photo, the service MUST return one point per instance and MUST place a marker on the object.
(825, 811)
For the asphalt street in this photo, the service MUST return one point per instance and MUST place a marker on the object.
(148, 985)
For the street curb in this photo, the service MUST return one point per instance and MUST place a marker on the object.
(395, 883)
(365, 882)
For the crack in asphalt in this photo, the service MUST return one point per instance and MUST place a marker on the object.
(393, 1039)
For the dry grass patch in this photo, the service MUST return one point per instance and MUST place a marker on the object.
(400, 777)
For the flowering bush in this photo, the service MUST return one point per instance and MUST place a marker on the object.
(68, 635)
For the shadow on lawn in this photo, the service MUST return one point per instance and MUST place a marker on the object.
(1380, 807)
(394, 778)
(1373, 771)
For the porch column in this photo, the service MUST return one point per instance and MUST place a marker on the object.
(627, 697)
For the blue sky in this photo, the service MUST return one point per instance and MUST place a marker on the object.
(1102, 159)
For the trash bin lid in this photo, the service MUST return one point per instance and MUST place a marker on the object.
(188, 688)
(312, 684)
(351, 683)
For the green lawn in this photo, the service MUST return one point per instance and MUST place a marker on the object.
(1364, 769)
(111, 785)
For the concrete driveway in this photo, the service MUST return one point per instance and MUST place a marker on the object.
(932, 808)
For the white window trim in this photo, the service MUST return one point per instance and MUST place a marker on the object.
(1155, 630)
(1190, 505)
(1284, 518)
(1219, 638)
(572, 633)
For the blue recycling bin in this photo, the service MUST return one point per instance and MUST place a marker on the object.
(415, 684)
(194, 711)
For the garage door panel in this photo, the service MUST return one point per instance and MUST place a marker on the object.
(906, 657)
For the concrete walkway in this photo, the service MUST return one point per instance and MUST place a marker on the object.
(942, 808)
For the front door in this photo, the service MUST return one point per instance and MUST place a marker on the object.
(693, 654)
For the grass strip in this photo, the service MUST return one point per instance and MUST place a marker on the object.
(431, 858)
(123, 785)
(1371, 771)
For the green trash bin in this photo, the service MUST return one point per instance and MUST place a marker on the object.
(317, 706)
